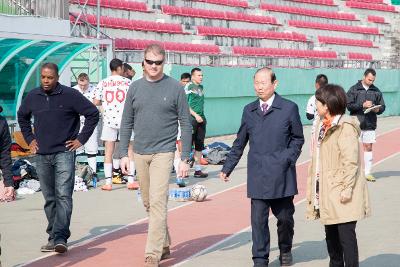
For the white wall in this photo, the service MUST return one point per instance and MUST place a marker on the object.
(34, 25)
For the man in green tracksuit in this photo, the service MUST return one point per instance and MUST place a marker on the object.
(195, 95)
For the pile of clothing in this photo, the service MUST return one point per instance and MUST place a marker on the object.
(216, 153)
(80, 184)
(83, 177)
(25, 177)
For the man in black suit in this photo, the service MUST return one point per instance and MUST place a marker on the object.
(272, 126)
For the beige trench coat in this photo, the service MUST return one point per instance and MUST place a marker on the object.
(340, 169)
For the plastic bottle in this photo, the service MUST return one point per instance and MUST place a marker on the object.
(94, 181)
(139, 195)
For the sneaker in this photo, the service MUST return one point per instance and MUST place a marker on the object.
(61, 248)
(106, 187)
(132, 186)
(151, 262)
(370, 178)
(200, 174)
(118, 179)
(165, 253)
(286, 259)
(49, 247)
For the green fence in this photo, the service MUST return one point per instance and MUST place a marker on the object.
(228, 90)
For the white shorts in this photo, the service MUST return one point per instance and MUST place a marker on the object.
(111, 134)
(91, 146)
(368, 137)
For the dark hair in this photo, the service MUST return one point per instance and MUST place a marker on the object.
(127, 66)
(321, 80)
(83, 76)
(334, 97)
(185, 75)
(51, 66)
(194, 70)
(368, 71)
(115, 64)
(273, 76)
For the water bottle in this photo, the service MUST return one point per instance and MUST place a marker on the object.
(94, 181)
(139, 195)
(171, 194)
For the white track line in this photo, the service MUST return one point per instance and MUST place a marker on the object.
(249, 227)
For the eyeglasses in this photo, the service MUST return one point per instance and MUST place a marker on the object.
(151, 62)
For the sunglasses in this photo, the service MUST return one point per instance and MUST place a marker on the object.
(151, 62)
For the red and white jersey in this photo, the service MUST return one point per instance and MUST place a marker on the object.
(112, 93)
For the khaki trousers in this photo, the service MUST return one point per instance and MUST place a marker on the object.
(153, 172)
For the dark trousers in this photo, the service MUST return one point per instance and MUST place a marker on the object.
(283, 210)
(56, 174)
(199, 134)
(342, 246)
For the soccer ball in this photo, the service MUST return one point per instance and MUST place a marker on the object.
(198, 192)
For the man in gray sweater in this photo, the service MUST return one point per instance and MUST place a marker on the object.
(153, 107)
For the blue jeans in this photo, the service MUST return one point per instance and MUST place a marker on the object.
(56, 174)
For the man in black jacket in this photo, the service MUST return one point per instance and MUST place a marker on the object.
(5, 160)
(5, 156)
(56, 109)
(365, 101)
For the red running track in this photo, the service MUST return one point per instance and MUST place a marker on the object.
(193, 227)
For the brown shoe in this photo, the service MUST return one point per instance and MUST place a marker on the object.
(151, 262)
(165, 253)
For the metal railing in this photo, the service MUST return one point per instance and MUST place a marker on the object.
(43, 8)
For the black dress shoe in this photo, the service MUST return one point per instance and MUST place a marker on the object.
(286, 259)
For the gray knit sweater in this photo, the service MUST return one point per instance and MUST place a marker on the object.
(152, 110)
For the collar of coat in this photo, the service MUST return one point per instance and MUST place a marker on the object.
(361, 87)
(277, 103)
(352, 120)
(57, 90)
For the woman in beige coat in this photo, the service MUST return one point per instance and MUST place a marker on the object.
(336, 189)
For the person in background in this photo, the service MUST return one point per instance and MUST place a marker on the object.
(195, 96)
(111, 94)
(337, 192)
(129, 72)
(360, 97)
(91, 146)
(311, 111)
(185, 78)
